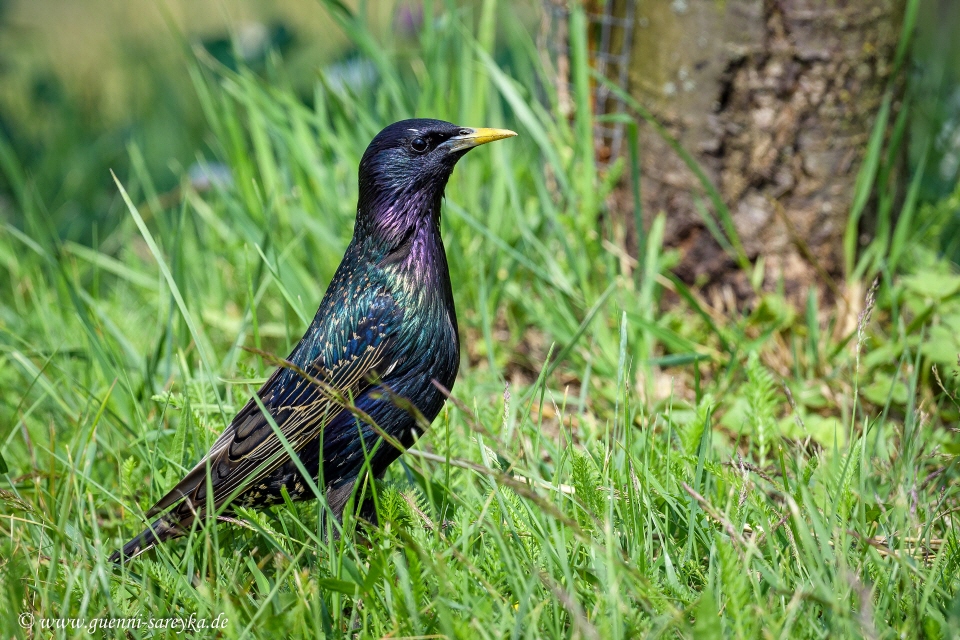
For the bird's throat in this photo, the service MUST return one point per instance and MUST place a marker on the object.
(394, 223)
(418, 255)
(403, 238)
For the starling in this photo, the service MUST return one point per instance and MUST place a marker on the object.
(385, 336)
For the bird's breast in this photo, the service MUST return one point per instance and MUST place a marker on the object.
(421, 285)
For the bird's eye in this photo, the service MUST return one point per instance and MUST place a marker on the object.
(419, 145)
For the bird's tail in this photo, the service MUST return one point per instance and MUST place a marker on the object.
(162, 529)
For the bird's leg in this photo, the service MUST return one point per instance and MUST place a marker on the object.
(337, 498)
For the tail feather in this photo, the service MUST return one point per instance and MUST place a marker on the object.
(161, 530)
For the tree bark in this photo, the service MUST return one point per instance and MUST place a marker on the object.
(775, 99)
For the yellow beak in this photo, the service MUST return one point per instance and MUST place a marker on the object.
(477, 137)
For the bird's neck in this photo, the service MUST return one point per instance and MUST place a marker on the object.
(404, 240)
(390, 223)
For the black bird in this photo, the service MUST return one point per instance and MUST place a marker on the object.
(386, 330)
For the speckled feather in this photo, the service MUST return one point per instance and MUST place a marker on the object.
(387, 320)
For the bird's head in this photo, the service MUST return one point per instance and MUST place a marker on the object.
(405, 168)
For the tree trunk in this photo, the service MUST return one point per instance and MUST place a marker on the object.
(775, 99)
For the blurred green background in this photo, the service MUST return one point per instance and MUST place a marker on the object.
(626, 455)
(81, 81)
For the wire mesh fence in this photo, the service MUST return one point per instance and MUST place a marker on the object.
(610, 25)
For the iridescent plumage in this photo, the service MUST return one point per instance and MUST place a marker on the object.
(386, 330)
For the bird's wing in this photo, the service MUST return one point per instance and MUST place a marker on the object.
(353, 352)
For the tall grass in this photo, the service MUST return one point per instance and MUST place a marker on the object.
(563, 491)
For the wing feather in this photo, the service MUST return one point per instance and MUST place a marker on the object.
(249, 450)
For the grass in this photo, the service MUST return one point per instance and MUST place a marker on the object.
(603, 470)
